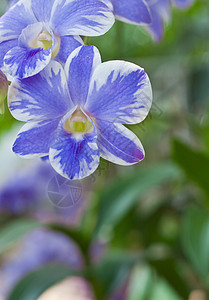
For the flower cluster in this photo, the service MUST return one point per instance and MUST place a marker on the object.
(75, 106)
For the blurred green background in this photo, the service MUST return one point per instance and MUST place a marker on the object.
(152, 217)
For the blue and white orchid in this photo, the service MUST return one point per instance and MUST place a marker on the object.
(32, 32)
(151, 13)
(132, 11)
(75, 114)
(160, 12)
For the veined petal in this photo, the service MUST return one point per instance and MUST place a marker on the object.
(132, 11)
(35, 139)
(74, 156)
(24, 62)
(67, 45)
(43, 96)
(118, 144)
(81, 17)
(15, 20)
(42, 9)
(4, 48)
(79, 69)
(120, 92)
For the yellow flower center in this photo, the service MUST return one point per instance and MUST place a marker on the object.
(78, 123)
(45, 41)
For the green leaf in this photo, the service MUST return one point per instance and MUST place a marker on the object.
(195, 164)
(168, 269)
(163, 291)
(151, 287)
(34, 284)
(124, 193)
(11, 233)
(142, 291)
(114, 269)
(195, 240)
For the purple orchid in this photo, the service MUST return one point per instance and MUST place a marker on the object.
(75, 115)
(32, 32)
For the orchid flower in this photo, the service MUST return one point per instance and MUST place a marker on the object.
(132, 11)
(151, 13)
(75, 115)
(32, 32)
(160, 12)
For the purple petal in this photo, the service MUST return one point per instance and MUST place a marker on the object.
(74, 157)
(4, 48)
(41, 97)
(161, 7)
(24, 62)
(15, 20)
(132, 11)
(118, 144)
(81, 17)
(156, 29)
(34, 139)
(12, 2)
(79, 68)
(67, 45)
(119, 92)
(42, 9)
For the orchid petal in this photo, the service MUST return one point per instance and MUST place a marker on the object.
(67, 45)
(73, 17)
(41, 97)
(24, 62)
(34, 139)
(42, 9)
(15, 20)
(119, 92)
(4, 48)
(132, 11)
(79, 68)
(74, 156)
(118, 144)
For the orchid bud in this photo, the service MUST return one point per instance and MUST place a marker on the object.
(3, 91)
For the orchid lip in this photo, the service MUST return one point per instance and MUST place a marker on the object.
(78, 123)
(45, 40)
